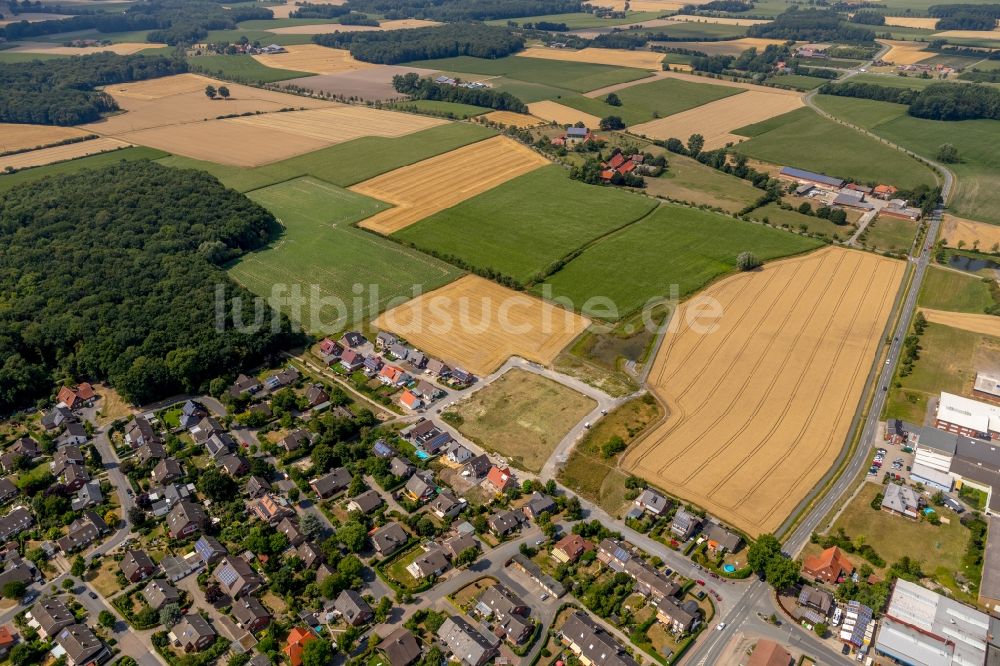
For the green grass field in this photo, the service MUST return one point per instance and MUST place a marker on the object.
(581, 20)
(691, 181)
(346, 163)
(652, 100)
(113, 37)
(438, 108)
(523, 226)
(262, 36)
(320, 250)
(683, 30)
(890, 234)
(10, 180)
(954, 291)
(242, 68)
(804, 139)
(675, 245)
(896, 81)
(977, 190)
(797, 81)
(574, 76)
(14, 58)
(793, 219)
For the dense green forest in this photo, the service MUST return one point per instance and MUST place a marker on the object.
(411, 84)
(171, 21)
(112, 274)
(61, 91)
(938, 101)
(313, 11)
(463, 10)
(812, 25)
(445, 41)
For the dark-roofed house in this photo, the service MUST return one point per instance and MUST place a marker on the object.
(332, 483)
(74, 477)
(250, 614)
(400, 468)
(310, 555)
(420, 487)
(614, 554)
(271, 509)
(383, 449)
(815, 598)
(456, 544)
(503, 523)
(290, 529)
(185, 519)
(68, 455)
(26, 446)
(236, 577)
(353, 608)
(281, 378)
(56, 417)
(384, 340)
(465, 643)
(192, 634)
(649, 582)
(296, 439)
(15, 522)
(244, 385)
(538, 504)
(446, 505)
(652, 502)
(721, 540)
(151, 451)
(353, 339)
(234, 465)
(167, 470)
(592, 643)
(139, 432)
(679, 618)
(136, 565)
(48, 616)
(209, 549)
(389, 538)
(75, 433)
(257, 486)
(219, 444)
(366, 502)
(8, 490)
(82, 532)
(400, 647)
(533, 571)
(316, 395)
(570, 548)
(191, 413)
(432, 562)
(477, 467)
(507, 611)
(81, 645)
(684, 524)
(159, 592)
(204, 429)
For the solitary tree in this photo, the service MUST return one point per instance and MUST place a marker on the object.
(612, 123)
(612, 100)
(210, 92)
(695, 143)
(79, 566)
(747, 261)
(106, 618)
(223, 92)
(948, 153)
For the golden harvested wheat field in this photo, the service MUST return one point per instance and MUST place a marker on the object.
(341, 123)
(954, 229)
(717, 19)
(761, 407)
(313, 58)
(477, 325)
(422, 189)
(912, 22)
(175, 100)
(717, 119)
(125, 48)
(732, 47)
(968, 34)
(324, 28)
(14, 136)
(512, 119)
(905, 53)
(562, 114)
(70, 151)
(615, 57)
(983, 324)
(646, 5)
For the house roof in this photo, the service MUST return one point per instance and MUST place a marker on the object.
(400, 647)
(901, 499)
(464, 640)
(368, 501)
(134, 561)
(830, 559)
(792, 172)
(185, 512)
(573, 545)
(500, 477)
(594, 642)
(351, 605)
(79, 642)
(769, 653)
(248, 610)
(332, 482)
(159, 591)
(191, 628)
(297, 639)
(389, 537)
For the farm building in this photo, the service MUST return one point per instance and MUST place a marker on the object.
(573, 137)
(967, 417)
(898, 208)
(802, 177)
(987, 385)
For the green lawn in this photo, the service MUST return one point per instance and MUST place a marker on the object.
(523, 226)
(954, 291)
(804, 139)
(897, 81)
(647, 101)
(320, 250)
(793, 219)
(346, 163)
(797, 81)
(8, 181)
(977, 190)
(683, 30)
(574, 76)
(580, 20)
(948, 362)
(891, 234)
(242, 68)
(691, 181)
(675, 245)
(438, 108)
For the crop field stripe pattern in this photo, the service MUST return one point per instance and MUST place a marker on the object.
(730, 447)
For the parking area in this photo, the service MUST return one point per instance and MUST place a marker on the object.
(890, 456)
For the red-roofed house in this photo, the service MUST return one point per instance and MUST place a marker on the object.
(828, 566)
(297, 639)
(7, 639)
(500, 479)
(410, 401)
(618, 164)
(75, 398)
(330, 349)
(616, 161)
(769, 653)
(390, 375)
(884, 191)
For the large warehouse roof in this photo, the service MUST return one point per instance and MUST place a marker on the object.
(967, 413)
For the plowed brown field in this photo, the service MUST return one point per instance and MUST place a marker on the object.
(476, 324)
(760, 407)
(422, 189)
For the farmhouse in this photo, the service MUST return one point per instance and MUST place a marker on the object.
(828, 566)
(573, 137)
(76, 398)
(802, 176)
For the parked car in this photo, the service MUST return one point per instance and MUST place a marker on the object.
(846, 649)
(720, 626)
(700, 582)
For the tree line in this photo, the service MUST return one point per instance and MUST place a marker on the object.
(812, 25)
(938, 101)
(112, 274)
(463, 10)
(417, 88)
(62, 91)
(390, 47)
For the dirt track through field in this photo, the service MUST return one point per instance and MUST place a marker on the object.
(422, 189)
(760, 407)
(955, 229)
(983, 324)
(613, 57)
(717, 119)
(313, 58)
(15, 136)
(70, 151)
(476, 324)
